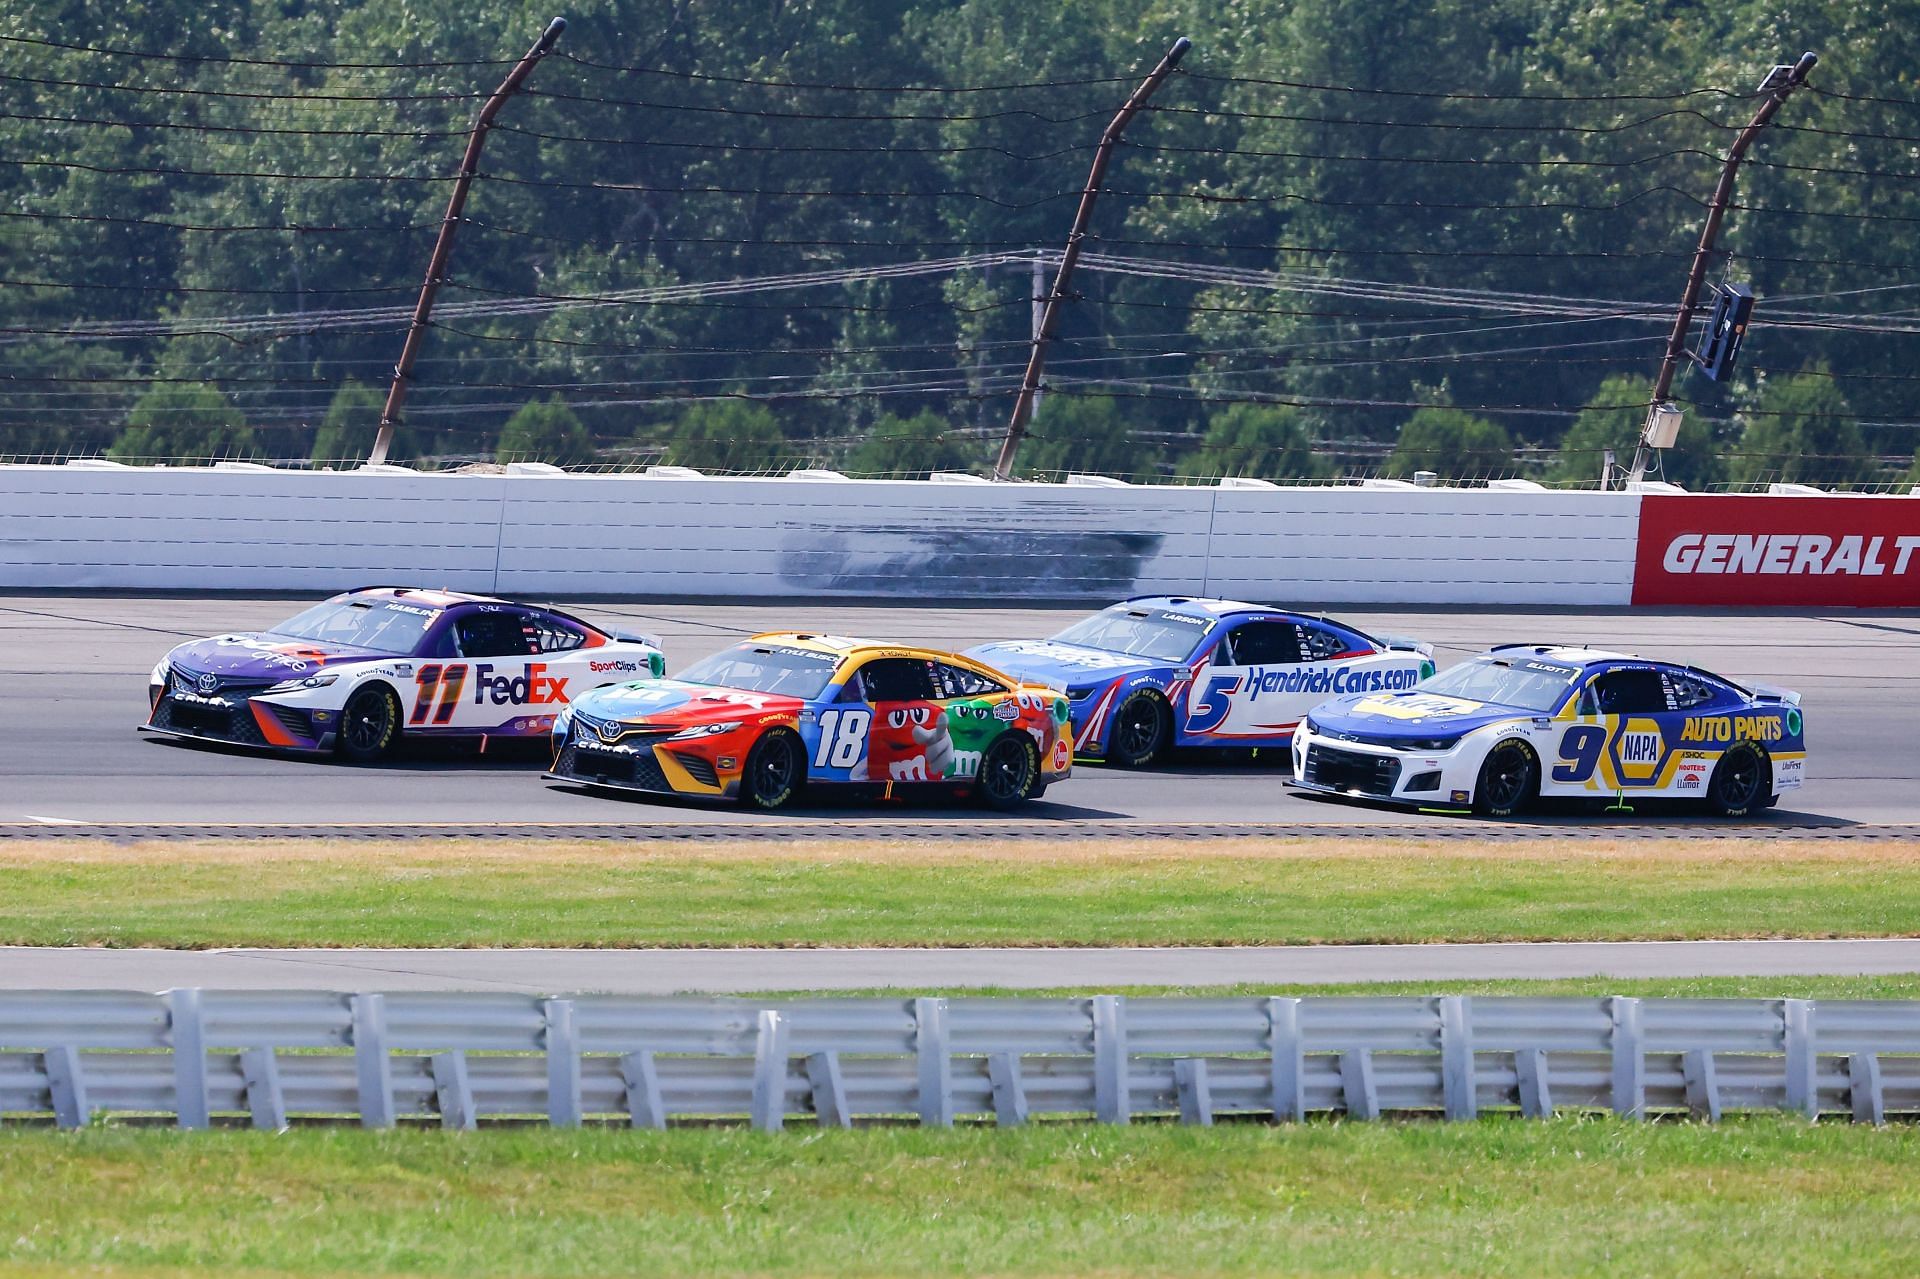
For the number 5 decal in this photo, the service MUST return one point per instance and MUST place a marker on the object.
(843, 734)
(1205, 715)
(1581, 749)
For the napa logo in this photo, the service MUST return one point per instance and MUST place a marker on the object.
(1638, 749)
(1415, 706)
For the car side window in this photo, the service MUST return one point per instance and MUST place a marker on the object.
(897, 679)
(551, 635)
(954, 681)
(1259, 644)
(506, 633)
(1321, 642)
(1631, 693)
(1689, 691)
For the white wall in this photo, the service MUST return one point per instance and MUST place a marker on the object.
(65, 527)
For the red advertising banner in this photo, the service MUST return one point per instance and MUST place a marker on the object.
(1778, 551)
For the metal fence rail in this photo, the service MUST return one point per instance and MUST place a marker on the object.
(460, 1058)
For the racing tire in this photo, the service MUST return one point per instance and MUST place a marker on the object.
(775, 769)
(369, 725)
(1009, 771)
(1509, 779)
(1742, 781)
(1142, 727)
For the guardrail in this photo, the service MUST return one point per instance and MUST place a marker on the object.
(277, 1057)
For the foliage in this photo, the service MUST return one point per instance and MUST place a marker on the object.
(913, 446)
(1453, 443)
(190, 420)
(546, 431)
(1266, 442)
(1614, 421)
(728, 435)
(1800, 430)
(352, 422)
(1085, 435)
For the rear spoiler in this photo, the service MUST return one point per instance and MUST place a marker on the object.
(1406, 645)
(1774, 693)
(637, 637)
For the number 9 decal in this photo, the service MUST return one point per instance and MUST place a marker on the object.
(1580, 748)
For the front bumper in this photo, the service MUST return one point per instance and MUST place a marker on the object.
(639, 766)
(238, 721)
(1384, 774)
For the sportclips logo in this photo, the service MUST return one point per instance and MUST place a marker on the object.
(1730, 550)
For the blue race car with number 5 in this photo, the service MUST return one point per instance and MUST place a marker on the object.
(1161, 671)
(1525, 721)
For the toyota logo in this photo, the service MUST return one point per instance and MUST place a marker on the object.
(610, 732)
(208, 684)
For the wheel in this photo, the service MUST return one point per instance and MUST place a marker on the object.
(1509, 779)
(774, 771)
(1141, 729)
(1009, 771)
(1740, 782)
(370, 724)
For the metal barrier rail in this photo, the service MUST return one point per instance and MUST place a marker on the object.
(462, 1057)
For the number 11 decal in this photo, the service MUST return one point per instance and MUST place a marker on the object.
(449, 680)
(842, 735)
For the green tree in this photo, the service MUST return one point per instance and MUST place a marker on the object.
(1913, 472)
(1259, 441)
(1085, 436)
(913, 446)
(1452, 442)
(352, 421)
(545, 431)
(728, 435)
(1613, 419)
(1800, 430)
(188, 420)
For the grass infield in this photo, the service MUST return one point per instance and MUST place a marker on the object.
(1756, 1196)
(1018, 892)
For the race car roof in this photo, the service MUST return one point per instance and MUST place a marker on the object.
(845, 646)
(1571, 654)
(1195, 606)
(430, 598)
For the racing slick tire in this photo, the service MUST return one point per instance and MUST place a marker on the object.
(1009, 771)
(1509, 779)
(775, 768)
(1142, 727)
(1742, 781)
(369, 725)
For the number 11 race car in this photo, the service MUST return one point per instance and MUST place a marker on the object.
(360, 671)
(762, 720)
(1525, 721)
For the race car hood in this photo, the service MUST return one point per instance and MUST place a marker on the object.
(265, 656)
(672, 702)
(1387, 718)
(1060, 665)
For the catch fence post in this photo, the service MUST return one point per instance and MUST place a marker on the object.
(645, 1104)
(1194, 1093)
(1009, 1091)
(1703, 1085)
(1536, 1092)
(67, 1086)
(1283, 1032)
(1803, 1094)
(563, 1063)
(1629, 1059)
(1357, 1088)
(453, 1090)
(1457, 1083)
(1867, 1097)
(829, 1091)
(769, 1105)
(371, 1065)
(930, 1046)
(266, 1101)
(1111, 1104)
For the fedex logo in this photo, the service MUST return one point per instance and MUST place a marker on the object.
(536, 687)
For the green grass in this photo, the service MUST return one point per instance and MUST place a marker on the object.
(1759, 1196)
(1250, 891)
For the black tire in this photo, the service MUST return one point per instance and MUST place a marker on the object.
(1142, 727)
(370, 725)
(1742, 782)
(1509, 780)
(1009, 771)
(775, 770)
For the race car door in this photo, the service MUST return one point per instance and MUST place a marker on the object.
(1250, 692)
(495, 679)
(885, 726)
(1619, 739)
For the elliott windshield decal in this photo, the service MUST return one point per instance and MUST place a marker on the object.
(1778, 551)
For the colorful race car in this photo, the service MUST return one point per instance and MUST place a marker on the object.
(359, 672)
(1524, 721)
(779, 712)
(1163, 671)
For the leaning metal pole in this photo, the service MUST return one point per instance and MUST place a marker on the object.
(1037, 362)
(443, 245)
(1776, 87)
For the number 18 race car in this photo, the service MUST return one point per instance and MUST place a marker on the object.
(762, 720)
(1165, 671)
(364, 669)
(1525, 721)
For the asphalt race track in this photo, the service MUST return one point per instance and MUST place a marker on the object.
(75, 670)
(689, 971)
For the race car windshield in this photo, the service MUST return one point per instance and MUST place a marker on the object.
(1534, 686)
(376, 625)
(1136, 633)
(762, 668)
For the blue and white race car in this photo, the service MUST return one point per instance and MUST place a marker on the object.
(1524, 721)
(1162, 671)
